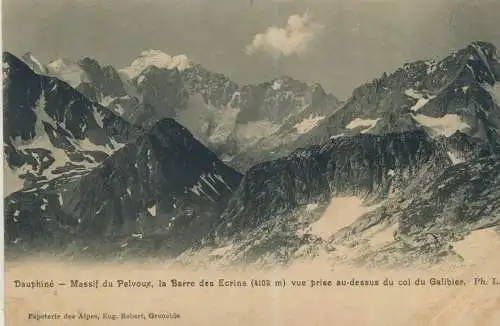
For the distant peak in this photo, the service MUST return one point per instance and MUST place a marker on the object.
(60, 63)
(157, 59)
(88, 61)
(487, 48)
(28, 54)
(483, 44)
(34, 63)
(282, 81)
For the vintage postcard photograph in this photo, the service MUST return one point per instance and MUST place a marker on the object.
(251, 162)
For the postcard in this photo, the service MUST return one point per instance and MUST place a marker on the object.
(251, 162)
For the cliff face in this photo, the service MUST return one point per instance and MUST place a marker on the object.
(365, 166)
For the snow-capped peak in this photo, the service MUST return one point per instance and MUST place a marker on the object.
(68, 71)
(158, 59)
(59, 64)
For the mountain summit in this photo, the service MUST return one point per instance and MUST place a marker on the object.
(155, 58)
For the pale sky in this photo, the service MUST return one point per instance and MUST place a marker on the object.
(346, 43)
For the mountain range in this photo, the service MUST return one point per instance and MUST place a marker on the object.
(226, 117)
(167, 159)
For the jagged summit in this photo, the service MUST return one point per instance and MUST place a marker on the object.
(34, 63)
(89, 64)
(454, 93)
(488, 48)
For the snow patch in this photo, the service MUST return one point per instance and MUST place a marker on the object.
(431, 66)
(152, 210)
(308, 124)
(42, 115)
(422, 99)
(59, 155)
(118, 108)
(98, 117)
(369, 124)
(341, 212)
(207, 182)
(6, 71)
(86, 145)
(221, 179)
(115, 145)
(413, 93)
(198, 190)
(277, 85)
(471, 70)
(38, 67)
(337, 136)
(420, 104)
(141, 79)
(455, 159)
(107, 100)
(446, 125)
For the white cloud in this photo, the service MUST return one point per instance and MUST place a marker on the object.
(295, 38)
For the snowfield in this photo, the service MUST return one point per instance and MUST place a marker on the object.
(368, 124)
(446, 125)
